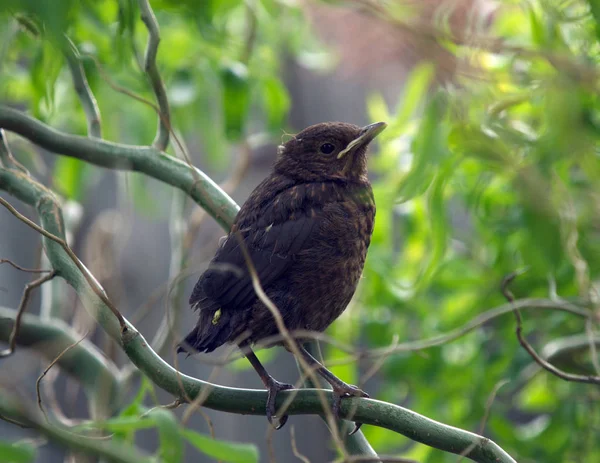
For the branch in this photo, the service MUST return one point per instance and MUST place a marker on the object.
(12, 339)
(114, 451)
(86, 97)
(147, 160)
(241, 401)
(86, 363)
(590, 379)
(93, 283)
(161, 141)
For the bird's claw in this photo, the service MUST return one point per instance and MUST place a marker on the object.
(346, 390)
(274, 387)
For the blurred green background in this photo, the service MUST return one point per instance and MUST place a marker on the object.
(490, 164)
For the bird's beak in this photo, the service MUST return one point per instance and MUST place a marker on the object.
(366, 135)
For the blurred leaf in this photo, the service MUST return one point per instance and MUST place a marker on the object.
(428, 151)
(44, 73)
(415, 92)
(264, 355)
(69, 177)
(233, 452)
(276, 102)
(121, 424)
(236, 98)
(17, 453)
(171, 441)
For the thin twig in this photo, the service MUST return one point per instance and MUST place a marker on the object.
(6, 157)
(486, 414)
(12, 340)
(438, 340)
(15, 422)
(590, 379)
(297, 454)
(23, 269)
(161, 141)
(171, 406)
(39, 380)
(380, 361)
(83, 90)
(96, 288)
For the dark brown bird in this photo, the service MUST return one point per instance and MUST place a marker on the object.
(306, 229)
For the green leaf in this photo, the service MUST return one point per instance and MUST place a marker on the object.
(264, 355)
(121, 424)
(171, 441)
(276, 102)
(44, 73)
(233, 452)
(236, 98)
(429, 150)
(17, 453)
(69, 177)
(415, 92)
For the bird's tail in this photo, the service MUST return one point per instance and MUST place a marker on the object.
(214, 328)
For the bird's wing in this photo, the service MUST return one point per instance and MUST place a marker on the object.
(271, 248)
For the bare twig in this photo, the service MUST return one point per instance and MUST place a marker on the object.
(83, 90)
(6, 157)
(171, 406)
(161, 141)
(39, 380)
(590, 379)
(589, 331)
(23, 269)
(96, 288)
(15, 422)
(486, 414)
(380, 361)
(12, 340)
(438, 340)
(297, 454)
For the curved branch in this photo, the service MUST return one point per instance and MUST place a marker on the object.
(145, 159)
(243, 401)
(161, 141)
(114, 451)
(97, 374)
(83, 90)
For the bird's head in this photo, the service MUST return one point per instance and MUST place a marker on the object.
(331, 150)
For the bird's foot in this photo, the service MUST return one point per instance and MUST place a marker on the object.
(346, 390)
(274, 387)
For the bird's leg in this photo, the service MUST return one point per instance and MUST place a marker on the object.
(273, 386)
(340, 388)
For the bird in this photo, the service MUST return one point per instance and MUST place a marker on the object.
(304, 232)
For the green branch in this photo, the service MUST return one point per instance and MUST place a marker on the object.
(145, 159)
(113, 451)
(97, 374)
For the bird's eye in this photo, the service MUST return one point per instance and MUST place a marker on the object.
(327, 148)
